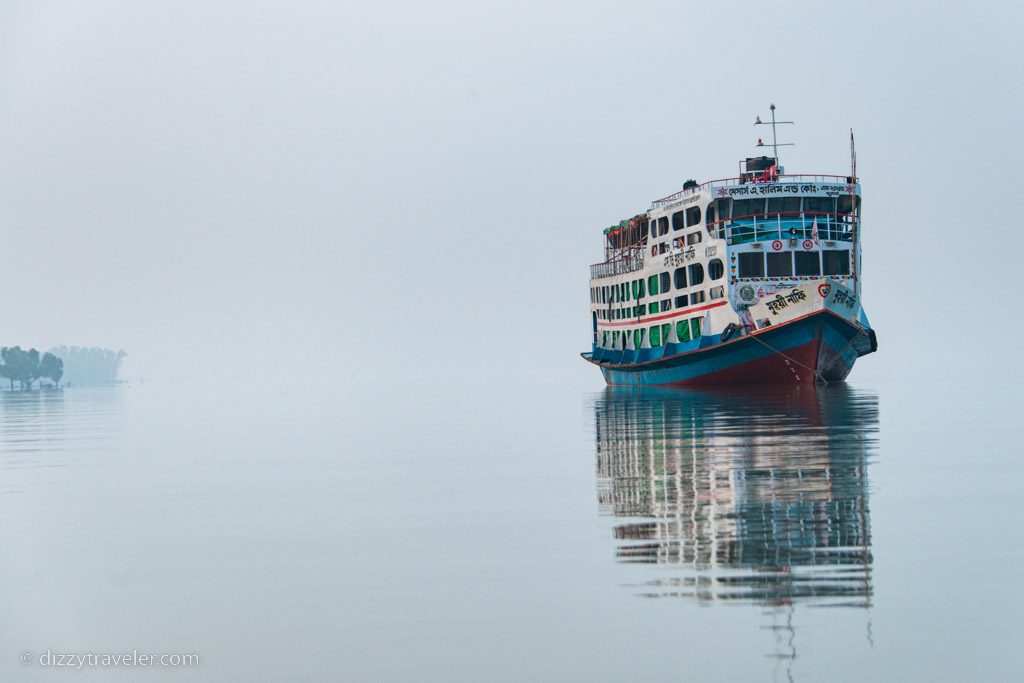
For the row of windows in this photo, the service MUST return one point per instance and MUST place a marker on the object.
(772, 205)
(790, 263)
(761, 206)
(685, 218)
(662, 283)
(656, 335)
(681, 301)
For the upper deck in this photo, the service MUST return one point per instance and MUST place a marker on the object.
(751, 207)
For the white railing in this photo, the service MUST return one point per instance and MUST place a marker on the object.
(726, 182)
(617, 266)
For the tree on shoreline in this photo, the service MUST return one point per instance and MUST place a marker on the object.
(25, 367)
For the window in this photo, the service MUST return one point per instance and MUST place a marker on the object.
(638, 289)
(819, 205)
(807, 263)
(716, 292)
(694, 238)
(640, 310)
(695, 328)
(716, 269)
(716, 211)
(747, 208)
(622, 291)
(679, 276)
(780, 264)
(652, 284)
(692, 216)
(697, 297)
(655, 335)
(666, 304)
(845, 203)
(681, 301)
(696, 274)
(666, 332)
(789, 205)
(655, 308)
(677, 221)
(638, 338)
(683, 330)
(835, 262)
(751, 264)
(666, 282)
(662, 226)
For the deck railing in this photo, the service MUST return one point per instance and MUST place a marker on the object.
(780, 179)
(617, 266)
(786, 225)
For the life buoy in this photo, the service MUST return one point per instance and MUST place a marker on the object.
(729, 331)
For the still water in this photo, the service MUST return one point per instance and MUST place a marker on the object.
(837, 533)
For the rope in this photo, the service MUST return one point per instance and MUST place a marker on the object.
(789, 358)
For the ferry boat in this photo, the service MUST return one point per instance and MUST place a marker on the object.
(748, 280)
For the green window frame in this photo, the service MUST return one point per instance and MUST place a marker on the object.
(655, 335)
(652, 285)
(683, 330)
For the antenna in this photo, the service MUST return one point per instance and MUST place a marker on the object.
(775, 143)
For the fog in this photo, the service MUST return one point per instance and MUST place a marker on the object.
(407, 192)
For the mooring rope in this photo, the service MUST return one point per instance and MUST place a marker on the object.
(790, 358)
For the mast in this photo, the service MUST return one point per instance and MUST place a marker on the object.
(775, 142)
(853, 158)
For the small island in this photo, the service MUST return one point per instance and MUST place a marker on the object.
(74, 364)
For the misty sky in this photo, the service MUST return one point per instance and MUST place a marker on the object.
(395, 190)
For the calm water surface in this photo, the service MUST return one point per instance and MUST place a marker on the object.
(839, 533)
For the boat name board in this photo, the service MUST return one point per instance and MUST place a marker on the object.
(680, 258)
(803, 299)
(779, 302)
(785, 188)
(682, 202)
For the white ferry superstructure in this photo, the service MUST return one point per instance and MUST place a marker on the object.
(753, 279)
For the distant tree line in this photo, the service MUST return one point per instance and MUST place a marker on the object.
(73, 365)
(89, 365)
(26, 367)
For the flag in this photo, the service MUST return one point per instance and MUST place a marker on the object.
(814, 231)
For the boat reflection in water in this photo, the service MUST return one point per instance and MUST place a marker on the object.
(759, 497)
